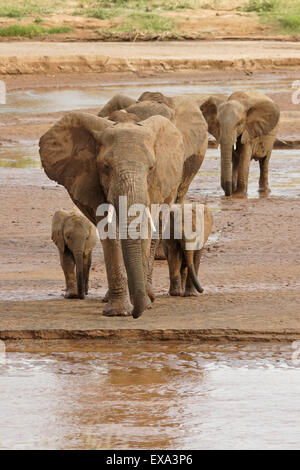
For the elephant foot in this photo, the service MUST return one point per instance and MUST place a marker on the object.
(239, 194)
(191, 292)
(264, 189)
(160, 252)
(71, 294)
(117, 308)
(175, 287)
(105, 298)
(151, 294)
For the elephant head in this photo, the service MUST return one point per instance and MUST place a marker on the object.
(98, 161)
(237, 121)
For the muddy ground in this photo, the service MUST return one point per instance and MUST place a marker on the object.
(250, 269)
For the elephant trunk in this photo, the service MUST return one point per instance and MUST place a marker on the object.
(78, 256)
(189, 259)
(226, 165)
(134, 188)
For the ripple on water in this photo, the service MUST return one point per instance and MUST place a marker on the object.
(177, 395)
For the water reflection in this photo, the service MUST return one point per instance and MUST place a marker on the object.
(91, 395)
(48, 101)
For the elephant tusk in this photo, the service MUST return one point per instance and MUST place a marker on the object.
(234, 146)
(148, 214)
(110, 213)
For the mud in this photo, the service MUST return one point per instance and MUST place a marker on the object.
(87, 395)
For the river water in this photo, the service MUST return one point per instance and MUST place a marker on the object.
(69, 394)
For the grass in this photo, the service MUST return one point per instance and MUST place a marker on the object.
(150, 22)
(31, 31)
(284, 14)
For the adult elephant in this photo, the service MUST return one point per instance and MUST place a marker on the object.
(97, 161)
(185, 113)
(245, 126)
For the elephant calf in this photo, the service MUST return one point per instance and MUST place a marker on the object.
(75, 237)
(184, 262)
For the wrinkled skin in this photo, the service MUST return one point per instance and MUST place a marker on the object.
(184, 263)
(245, 126)
(75, 237)
(98, 160)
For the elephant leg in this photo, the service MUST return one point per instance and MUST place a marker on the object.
(190, 169)
(146, 254)
(235, 163)
(68, 265)
(153, 248)
(264, 174)
(87, 261)
(174, 257)
(243, 171)
(118, 302)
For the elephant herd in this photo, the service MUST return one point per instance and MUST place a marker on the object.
(148, 150)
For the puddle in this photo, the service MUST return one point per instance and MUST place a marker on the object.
(20, 156)
(284, 176)
(48, 101)
(67, 395)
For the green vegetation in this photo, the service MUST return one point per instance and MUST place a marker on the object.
(260, 6)
(58, 30)
(284, 14)
(147, 22)
(31, 31)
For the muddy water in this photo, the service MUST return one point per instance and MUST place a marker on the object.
(47, 101)
(179, 396)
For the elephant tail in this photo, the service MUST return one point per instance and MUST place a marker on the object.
(189, 258)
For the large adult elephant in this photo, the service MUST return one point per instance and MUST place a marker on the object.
(245, 126)
(185, 113)
(97, 161)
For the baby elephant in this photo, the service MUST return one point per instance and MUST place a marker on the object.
(75, 237)
(182, 260)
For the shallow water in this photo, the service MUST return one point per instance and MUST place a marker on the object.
(179, 396)
(48, 101)
(284, 172)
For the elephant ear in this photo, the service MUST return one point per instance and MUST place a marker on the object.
(115, 103)
(168, 159)
(57, 229)
(68, 154)
(262, 116)
(210, 110)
